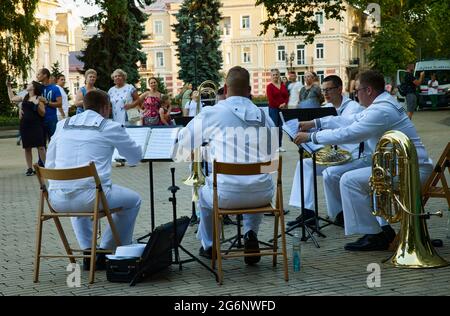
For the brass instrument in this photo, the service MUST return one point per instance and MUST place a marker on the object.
(332, 156)
(396, 196)
(197, 177)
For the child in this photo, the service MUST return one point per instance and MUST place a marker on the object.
(164, 111)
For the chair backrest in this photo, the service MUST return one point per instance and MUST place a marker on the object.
(247, 169)
(67, 174)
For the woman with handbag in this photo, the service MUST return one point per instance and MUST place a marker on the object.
(122, 97)
(150, 103)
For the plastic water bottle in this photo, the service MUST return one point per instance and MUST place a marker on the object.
(296, 252)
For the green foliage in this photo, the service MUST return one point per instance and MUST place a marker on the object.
(117, 45)
(199, 19)
(161, 85)
(19, 33)
(392, 48)
(143, 86)
(297, 17)
(9, 121)
(55, 72)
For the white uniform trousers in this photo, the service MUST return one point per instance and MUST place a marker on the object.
(308, 181)
(331, 176)
(356, 203)
(229, 200)
(83, 200)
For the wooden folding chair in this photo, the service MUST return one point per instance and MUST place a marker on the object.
(247, 170)
(96, 214)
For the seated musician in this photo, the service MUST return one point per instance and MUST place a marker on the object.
(383, 113)
(78, 140)
(233, 128)
(332, 90)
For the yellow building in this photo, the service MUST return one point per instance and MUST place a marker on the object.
(340, 49)
(55, 44)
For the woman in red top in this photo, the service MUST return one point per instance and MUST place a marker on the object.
(278, 97)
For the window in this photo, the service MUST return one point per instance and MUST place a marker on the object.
(300, 54)
(281, 53)
(158, 27)
(228, 58)
(227, 26)
(321, 75)
(246, 54)
(159, 59)
(319, 18)
(301, 77)
(319, 51)
(245, 22)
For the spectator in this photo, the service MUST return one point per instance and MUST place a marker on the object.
(411, 85)
(278, 97)
(63, 111)
(310, 94)
(91, 78)
(294, 88)
(122, 96)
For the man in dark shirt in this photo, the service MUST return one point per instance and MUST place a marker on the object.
(411, 84)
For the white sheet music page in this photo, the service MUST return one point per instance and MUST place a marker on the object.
(161, 144)
(140, 135)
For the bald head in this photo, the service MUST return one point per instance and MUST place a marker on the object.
(238, 82)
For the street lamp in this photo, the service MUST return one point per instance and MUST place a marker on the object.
(197, 40)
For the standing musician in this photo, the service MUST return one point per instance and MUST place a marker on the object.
(383, 113)
(233, 128)
(332, 89)
(91, 136)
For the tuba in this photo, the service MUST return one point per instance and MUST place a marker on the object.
(197, 178)
(396, 196)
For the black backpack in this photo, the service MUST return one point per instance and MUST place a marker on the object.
(402, 88)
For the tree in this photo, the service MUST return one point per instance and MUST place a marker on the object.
(297, 17)
(19, 33)
(161, 85)
(117, 45)
(199, 61)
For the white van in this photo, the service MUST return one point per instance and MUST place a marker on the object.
(441, 67)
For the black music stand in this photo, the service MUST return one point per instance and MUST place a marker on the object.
(308, 115)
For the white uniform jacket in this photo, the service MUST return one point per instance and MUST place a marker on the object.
(88, 137)
(383, 115)
(237, 131)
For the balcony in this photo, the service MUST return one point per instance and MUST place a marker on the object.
(353, 63)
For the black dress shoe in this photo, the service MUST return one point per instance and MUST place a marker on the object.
(251, 245)
(205, 253)
(389, 232)
(339, 220)
(370, 242)
(100, 261)
(299, 219)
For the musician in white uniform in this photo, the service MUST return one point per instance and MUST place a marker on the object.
(332, 90)
(233, 128)
(383, 114)
(86, 137)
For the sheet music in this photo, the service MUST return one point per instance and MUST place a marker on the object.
(140, 135)
(161, 143)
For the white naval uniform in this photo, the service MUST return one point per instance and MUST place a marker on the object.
(332, 174)
(77, 141)
(217, 125)
(383, 115)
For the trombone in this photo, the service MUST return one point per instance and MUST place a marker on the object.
(197, 178)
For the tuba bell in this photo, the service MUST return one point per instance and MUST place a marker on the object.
(396, 196)
(197, 178)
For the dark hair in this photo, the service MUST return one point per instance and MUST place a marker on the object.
(37, 90)
(95, 100)
(151, 78)
(164, 99)
(334, 79)
(46, 72)
(372, 78)
(59, 76)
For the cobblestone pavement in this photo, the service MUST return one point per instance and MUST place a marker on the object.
(328, 270)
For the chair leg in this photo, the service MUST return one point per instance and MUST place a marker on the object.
(275, 240)
(213, 250)
(37, 255)
(218, 253)
(64, 239)
(283, 245)
(94, 244)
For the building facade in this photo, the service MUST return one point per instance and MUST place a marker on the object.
(340, 49)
